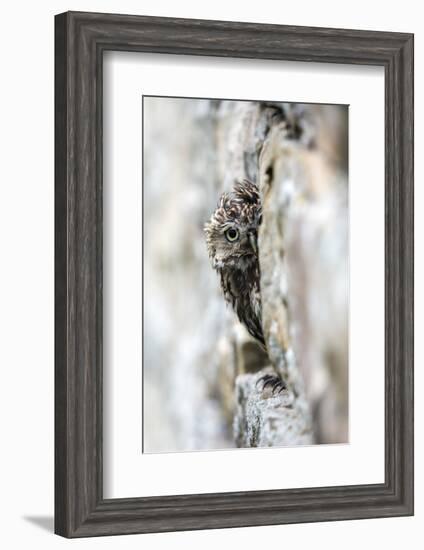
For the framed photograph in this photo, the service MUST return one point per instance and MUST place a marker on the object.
(233, 274)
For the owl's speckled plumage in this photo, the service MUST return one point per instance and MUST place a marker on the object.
(231, 237)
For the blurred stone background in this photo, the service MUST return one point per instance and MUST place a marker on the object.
(200, 365)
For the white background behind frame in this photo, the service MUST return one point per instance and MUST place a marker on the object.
(127, 472)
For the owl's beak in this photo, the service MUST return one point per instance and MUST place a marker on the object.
(253, 240)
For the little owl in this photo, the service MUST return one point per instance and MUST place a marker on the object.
(232, 241)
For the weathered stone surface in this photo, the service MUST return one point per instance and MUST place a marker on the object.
(266, 420)
(304, 264)
(201, 366)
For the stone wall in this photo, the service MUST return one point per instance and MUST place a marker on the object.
(201, 367)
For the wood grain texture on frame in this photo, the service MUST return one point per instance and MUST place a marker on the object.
(80, 40)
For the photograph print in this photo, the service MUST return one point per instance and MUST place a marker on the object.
(245, 274)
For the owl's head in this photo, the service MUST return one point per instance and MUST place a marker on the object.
(232, 232)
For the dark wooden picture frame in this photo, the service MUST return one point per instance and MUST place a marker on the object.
(80, 40)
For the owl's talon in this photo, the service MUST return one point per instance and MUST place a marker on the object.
(274, 381)
(268, 383)
(277, 385)
(263, 378)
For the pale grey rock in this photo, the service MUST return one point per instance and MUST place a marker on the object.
(266, 420)
(201, 366)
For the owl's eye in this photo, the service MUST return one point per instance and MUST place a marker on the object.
(231, 235)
